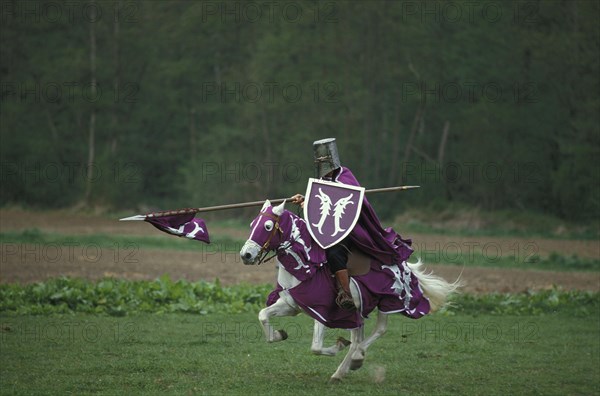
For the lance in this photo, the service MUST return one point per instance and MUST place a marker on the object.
(244, 205)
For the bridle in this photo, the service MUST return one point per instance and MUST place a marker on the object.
(262, 254)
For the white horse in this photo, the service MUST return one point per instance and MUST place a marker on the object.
(277, 229)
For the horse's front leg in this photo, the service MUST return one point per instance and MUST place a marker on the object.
(317, 343)
(356, 337)
(280, 308)
(361, 350)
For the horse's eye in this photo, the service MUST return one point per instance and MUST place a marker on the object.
(268, 225)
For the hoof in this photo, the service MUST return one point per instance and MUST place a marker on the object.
(334, 381)
(344, 342)
(284, 334)
(356, 364)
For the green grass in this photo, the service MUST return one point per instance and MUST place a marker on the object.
(455, 254)
(464, 257)
(226, 354)
(160, 241)
(461, 220)
(141, 342)
(458, 220)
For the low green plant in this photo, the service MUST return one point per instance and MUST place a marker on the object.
(551, 301)
(119, 297)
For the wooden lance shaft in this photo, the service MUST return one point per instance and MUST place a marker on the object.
(245, 205)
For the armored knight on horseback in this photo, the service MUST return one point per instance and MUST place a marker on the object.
(339, 226)
(306, 284)
(368, 236)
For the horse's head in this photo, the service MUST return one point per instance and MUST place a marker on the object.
(266, 234)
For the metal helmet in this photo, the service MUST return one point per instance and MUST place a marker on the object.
(326, 156)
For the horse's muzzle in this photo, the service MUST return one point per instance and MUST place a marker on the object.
(249, 252)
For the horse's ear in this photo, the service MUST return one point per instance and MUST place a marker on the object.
(265, 205)
(278, 210)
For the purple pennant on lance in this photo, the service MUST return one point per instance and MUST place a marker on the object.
(183, 225)
(331, 210)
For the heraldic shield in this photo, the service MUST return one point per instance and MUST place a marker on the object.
(331, 210)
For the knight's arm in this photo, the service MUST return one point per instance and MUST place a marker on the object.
(298, 199)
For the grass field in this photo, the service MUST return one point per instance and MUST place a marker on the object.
(493, 256)
(115, 336)
(456, 219)
(226, 354)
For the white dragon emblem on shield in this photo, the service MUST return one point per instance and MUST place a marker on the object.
(338, 211)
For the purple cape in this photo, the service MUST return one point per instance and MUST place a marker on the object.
(384, 245)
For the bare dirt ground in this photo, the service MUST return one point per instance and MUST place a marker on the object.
(31, 263)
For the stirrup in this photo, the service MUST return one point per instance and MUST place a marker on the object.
(344, 301)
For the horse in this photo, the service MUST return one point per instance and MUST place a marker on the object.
(305, 284)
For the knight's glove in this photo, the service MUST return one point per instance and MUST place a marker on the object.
(298, 199)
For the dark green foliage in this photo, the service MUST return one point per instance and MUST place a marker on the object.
(119, 297)
(179, 122)
(577, 303)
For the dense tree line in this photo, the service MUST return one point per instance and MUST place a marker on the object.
(190, 103)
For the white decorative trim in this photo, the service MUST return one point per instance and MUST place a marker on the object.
(299, 260)
(318, 314)
(360, 297)
(348, 230)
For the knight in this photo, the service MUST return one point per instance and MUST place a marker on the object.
(383, 245)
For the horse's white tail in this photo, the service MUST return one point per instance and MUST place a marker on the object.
(434, 288)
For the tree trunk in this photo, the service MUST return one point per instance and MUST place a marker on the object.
(92, 126)
(395, 147)
(267, 187)
(442, 147)
(411, 137)
(116, 81)
(192, 126)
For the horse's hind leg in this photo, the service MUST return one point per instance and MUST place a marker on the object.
(317, 343)
(361, 350)
(280, 308)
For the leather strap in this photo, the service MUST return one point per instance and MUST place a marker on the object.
(264, 248)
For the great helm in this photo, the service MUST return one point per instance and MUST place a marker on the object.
(326, 156)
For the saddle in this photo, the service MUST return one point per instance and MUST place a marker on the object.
(358, 263)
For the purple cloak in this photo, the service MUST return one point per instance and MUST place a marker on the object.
(384, 245)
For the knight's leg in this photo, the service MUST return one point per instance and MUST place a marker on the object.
(343, 279)
(280, 308)
(337, 258)
(317, 343)
(344, 297)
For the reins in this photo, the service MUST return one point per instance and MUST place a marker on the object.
(264, 248)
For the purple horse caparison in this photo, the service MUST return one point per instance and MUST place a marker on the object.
(305, 284)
